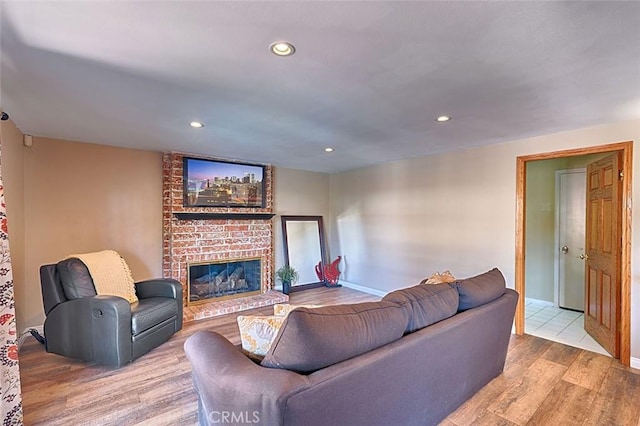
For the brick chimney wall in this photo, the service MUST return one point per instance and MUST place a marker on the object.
(201, 240)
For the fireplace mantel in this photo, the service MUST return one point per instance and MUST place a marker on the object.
(224, 216)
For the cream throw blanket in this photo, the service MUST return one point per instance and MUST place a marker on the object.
(110, 273)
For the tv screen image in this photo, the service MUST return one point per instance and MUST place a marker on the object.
(214, 183)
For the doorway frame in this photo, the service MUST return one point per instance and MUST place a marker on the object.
(626, 148)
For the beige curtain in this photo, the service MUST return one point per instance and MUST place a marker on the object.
(11, 402)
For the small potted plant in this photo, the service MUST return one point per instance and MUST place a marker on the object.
(287, 276)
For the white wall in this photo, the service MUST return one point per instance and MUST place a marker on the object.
(398, 222)
(70, 197)
(297, 192)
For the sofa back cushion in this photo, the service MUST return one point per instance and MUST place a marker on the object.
(426, 303)
(75, 279)
(311, 339)
(481, 289)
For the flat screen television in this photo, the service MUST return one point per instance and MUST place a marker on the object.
(214, 183)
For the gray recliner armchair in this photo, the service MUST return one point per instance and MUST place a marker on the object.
(105, 329)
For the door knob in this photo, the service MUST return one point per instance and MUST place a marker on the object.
(584, 257)
(564, 249)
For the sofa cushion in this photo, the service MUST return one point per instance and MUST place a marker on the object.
(426, 303)
(481, 289)
(439, 278)
(283, 309)
(146, 313)
(75, 279)
(311, 339)
(258, 332)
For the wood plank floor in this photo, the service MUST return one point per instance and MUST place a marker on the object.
(544, 383)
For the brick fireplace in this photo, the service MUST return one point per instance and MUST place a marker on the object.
(197, 235)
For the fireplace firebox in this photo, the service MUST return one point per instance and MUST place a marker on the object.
(219, 280)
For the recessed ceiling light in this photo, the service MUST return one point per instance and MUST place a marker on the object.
(443, 118)
(196, 124)
(282, 48)
(328, 150)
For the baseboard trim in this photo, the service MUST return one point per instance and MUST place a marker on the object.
(364, 289)
(635, 363)
(538, 301)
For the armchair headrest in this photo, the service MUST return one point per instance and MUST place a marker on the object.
(75, 279)
(52, 293)
(110, 274)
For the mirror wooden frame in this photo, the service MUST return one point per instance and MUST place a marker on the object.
(321, 241)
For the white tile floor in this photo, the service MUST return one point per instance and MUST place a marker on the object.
(542, 319)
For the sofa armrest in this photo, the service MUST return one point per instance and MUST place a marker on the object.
(227, 381)
(96, 328)
(159, 287)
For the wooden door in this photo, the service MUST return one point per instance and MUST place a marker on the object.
(602, 270)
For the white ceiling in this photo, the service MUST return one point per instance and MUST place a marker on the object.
(368, 78)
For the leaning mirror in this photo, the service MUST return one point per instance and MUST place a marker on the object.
(304, 246)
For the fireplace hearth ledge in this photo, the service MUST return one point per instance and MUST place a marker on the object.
(229, 306)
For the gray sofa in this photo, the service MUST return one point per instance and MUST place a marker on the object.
(410, 359)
